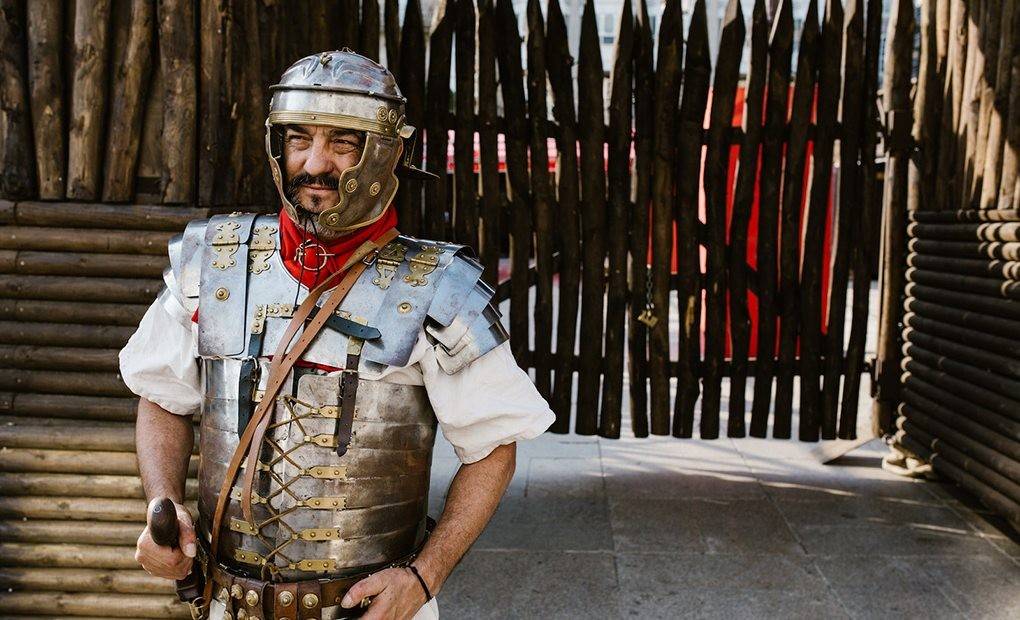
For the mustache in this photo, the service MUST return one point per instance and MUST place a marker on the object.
(322, 180)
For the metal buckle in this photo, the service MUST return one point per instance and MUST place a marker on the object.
(320, 253)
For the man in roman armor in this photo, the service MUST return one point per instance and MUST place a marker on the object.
(322, 348)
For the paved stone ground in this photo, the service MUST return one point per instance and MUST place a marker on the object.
(665, 528)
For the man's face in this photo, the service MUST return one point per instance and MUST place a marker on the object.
(314, 156)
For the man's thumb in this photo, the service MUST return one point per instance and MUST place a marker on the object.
(186, 530)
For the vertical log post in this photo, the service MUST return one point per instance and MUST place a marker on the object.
(559, 66)
(1011, 144)
(743, 198)
(780, 50)
(368, 45)
(488, 143)
(667, 94)
(998, 113)
(177, 60)
(244, 104)
(511, 77)
(971, 103)
(813, 230)
(412, 83)
(88, 99)
(256, 106)
(593, 219)
(789, 248)
(619, 182)
(541, 198)
(347, 24)
(697, 73)
(393, 40)
(317, 37)
(717, 164)
(437, 103)
(46, 94)
(213, 124)
(952, 94)
(894, 207)
(985, 92)
(133, 46)
(465, 214)
(860, 133)
(644, 107)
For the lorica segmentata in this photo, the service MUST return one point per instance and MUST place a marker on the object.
(319, 508)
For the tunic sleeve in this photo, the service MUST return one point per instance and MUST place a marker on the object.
(489, 403)
(160, 361)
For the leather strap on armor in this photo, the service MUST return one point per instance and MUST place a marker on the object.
(283, 361)
(348, 397)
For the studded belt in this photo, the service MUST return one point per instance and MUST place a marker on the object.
(246, 598)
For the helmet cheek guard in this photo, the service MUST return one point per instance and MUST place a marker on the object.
(343, 89)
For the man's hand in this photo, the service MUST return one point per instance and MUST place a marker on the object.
(396, 594)
(167, 562)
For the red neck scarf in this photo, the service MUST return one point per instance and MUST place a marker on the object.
(324, 258)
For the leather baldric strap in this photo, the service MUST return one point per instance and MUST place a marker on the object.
(283, 361)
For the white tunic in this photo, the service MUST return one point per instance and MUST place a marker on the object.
(489, 403)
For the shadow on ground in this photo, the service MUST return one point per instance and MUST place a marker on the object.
(665, 528)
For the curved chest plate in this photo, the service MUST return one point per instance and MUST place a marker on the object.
(317, 513)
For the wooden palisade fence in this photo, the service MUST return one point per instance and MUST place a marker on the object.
(953, 212)
(152, 110)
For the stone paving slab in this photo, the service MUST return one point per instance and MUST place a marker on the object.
(666, 528)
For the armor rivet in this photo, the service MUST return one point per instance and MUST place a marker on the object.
(381, 114)
(374, 189)
(336, 472)
(393, 116)
(310, 601)
(236, 591)
(286, 598)
(336, 504)
(333, 219)
(241, 614)
(222, 294)
(351, 185)
(404, 308)
(252, 598)
(311, 534)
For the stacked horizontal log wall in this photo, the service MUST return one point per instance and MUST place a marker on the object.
(75, 280)
(958, 396)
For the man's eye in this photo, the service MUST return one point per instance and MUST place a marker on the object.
(348, 143)
(297, 139)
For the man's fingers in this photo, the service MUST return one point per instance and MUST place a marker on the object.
(369, 586)
(186, 531)
(161, 561)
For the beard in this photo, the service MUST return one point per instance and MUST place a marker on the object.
(308, 214)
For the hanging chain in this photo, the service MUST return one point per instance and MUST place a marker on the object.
(647, 315)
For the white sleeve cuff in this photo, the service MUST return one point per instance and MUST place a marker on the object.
(489, 403)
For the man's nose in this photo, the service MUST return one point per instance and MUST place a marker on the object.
(318, 161)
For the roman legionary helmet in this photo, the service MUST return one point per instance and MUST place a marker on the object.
(343, 89)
